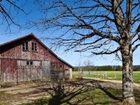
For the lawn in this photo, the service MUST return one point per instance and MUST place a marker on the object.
(111, 75)
(92, 97)
(90, 94)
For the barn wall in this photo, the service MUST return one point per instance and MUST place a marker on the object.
(41, 54)
(12, 56)
(0, 67)
(14, 53)
(8, 70)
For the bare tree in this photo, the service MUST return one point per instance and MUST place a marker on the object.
(7, 9)
(98, 26)
(88, 66)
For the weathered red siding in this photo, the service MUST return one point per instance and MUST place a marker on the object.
(41, 54)
(10, 57)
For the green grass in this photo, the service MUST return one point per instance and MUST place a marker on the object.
(95, 97)
(92, 97)
(41, 101)
(111, 75)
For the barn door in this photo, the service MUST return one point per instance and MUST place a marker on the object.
(21, 71)
(46, 69)
(28, 70)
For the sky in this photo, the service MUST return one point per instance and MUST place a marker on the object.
(73, 58)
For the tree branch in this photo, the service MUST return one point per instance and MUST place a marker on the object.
(106, 52)
(135, 47)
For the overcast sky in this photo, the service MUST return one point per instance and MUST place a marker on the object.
(71, 57)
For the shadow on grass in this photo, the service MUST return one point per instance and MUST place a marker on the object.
(111, 93)
(80, 92)
(61, 93)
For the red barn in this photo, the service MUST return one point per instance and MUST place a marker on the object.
(27, 58)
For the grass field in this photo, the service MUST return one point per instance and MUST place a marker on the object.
(38, 94)
(111, 75)
(92, 97)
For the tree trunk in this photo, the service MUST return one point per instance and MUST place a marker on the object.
(127, 74)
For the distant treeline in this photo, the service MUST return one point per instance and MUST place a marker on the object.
(104, 68)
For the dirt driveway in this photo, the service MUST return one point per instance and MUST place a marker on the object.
(23, 93)
(116, 84)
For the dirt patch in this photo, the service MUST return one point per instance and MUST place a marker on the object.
(21, 94)
(115, 84)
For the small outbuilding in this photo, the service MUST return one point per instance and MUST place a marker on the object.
(27, 58)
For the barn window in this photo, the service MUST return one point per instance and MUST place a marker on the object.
(34, 46)
(29, 62)
(25, 46)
